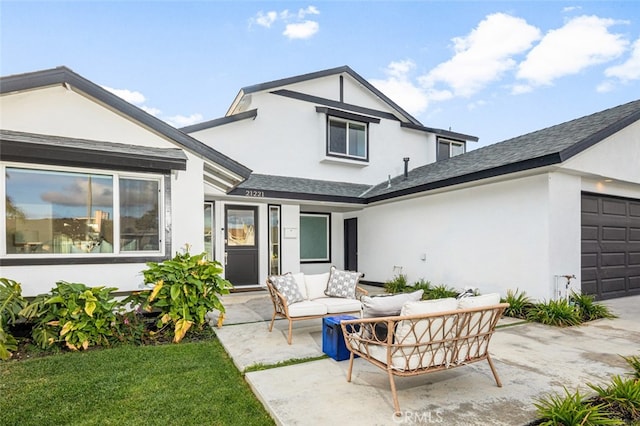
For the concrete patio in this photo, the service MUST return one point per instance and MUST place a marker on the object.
(532, 360)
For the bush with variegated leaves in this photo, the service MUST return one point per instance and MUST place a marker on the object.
(184, 290)
(74, 315)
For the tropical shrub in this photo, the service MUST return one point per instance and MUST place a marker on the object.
(622, 396)
(73, 314)
(398, 284)
(11, 303)
(439, 292)
(588, 309)
(572, 409)
(555, 312)
(185, 289)
(634, 363)
(519, 304)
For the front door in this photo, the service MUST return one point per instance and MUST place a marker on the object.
(241, 245)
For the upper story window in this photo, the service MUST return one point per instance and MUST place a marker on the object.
(347, 139)
(448, 148)
(347, 135)
(51, 212)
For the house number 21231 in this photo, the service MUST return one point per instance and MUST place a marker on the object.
(249, 193)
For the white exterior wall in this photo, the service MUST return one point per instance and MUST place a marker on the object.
(58, 111)
(61, 112)
(564, 233)
(288, 138)
(493, 237)
(187, 204)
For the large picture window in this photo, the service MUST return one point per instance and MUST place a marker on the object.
(347, 139)
(315, 237)
(51, 212)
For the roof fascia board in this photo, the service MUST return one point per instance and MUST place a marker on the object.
(220, 121)
(325, 73)
(529, 164)
(335, 104)
(599, 136)
(346, 115)
(63, 75)
(250, 193)
(24, 152)
(441, 132)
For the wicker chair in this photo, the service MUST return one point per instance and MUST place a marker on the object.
(419, 344)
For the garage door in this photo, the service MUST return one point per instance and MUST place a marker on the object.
(610, 246)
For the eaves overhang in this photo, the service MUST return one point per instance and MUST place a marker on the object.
(505, 169)
(66, 77)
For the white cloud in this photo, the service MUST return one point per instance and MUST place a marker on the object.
(582, 42)
(265, 19)
(296, 27)
(484, 55)
(605, 86)
(629, 70)
(571, 8)
(302, 30)
(132, 97)
(399, 88)
(181, 120)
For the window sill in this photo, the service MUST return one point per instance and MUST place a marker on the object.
(86, 260)
(345, 161)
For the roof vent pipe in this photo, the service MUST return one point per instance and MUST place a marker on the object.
(406, 167)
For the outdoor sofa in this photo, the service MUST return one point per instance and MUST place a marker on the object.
(307, 296)
(426, 336)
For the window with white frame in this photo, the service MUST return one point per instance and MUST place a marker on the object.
(51, 212)
(449, 148)
(347, 138)
(315, 237)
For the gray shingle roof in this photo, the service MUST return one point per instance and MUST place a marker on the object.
(301, 188)
(548, 146)
(552, 145)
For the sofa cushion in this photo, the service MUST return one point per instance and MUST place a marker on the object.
(286, 284)
(433, 330)
(479, 323)
(342, 283)
(299, 277)
(316, 285)
(336, 305)
(479, 301)
(386, 306)
(307, 308)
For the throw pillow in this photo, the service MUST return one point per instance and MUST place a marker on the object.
(479, 301)
(387, 306)
(286, 284)
(316, 285)
(342, 283)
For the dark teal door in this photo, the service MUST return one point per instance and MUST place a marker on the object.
(241, 245)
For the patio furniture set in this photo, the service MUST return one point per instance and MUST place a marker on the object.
(401, 334)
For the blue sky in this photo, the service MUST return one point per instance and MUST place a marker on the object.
(490, 69)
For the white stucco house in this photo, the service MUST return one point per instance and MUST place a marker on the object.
(310, 171)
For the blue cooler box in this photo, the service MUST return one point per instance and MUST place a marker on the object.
(332, 340)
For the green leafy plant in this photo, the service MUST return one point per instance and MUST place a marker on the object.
(519, 304)
(398, 284)
(11, 303)
(555, 312)
(439, 292)
(572, 409)
(73, 314)
(622, 396)
(589, 309)
(634, 363)
(185, 289)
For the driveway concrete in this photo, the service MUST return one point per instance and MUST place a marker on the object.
(531, 359)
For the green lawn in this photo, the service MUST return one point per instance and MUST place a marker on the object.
(174, 384)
